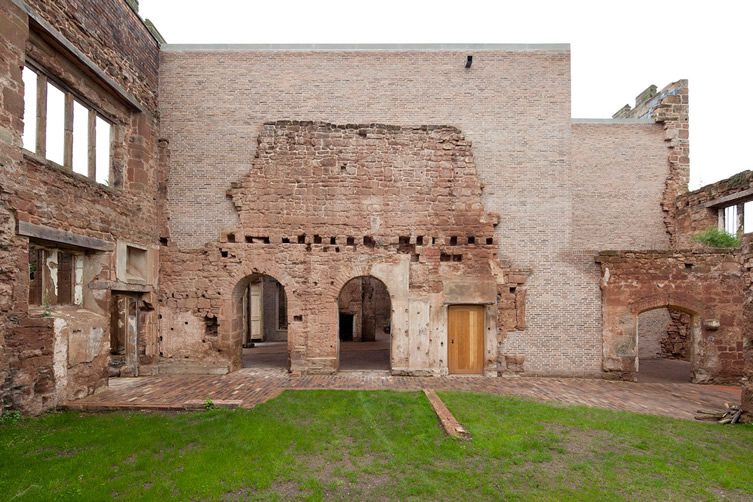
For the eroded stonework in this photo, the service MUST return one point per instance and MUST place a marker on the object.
(323, 204)
(505, 211)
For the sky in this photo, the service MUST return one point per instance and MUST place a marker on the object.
(618, 48)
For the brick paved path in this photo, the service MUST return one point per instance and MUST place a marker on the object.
(249, 387)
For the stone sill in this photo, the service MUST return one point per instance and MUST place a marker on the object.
(32, 157)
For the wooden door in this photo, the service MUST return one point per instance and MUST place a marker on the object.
(465, 339)
(255, 308)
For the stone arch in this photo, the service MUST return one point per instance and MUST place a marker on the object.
(620, 325)
(230, 329)
(680, 302)
(675, 301)
(380, 285)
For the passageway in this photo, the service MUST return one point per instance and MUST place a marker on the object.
(364, 325)
(263, 312)
(664, 346)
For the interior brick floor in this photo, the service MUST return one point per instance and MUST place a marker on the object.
(249, 387)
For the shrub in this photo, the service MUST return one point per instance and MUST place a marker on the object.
(717, 238)
(10, 417)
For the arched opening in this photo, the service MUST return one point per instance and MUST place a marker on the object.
(261, 322)
(364, 324)
(664, 345)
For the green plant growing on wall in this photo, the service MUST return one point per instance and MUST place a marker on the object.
(717, 238)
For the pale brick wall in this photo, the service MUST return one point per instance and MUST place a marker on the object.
(513, 105)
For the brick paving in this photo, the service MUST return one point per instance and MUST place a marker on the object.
(253, 386)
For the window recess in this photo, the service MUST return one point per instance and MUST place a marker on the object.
(63, 128)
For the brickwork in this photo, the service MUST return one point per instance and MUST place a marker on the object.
(672, 112)
(38, 192)
(517, 117)
(706, 285)
(314, 167)
(669, 108)
(323, 204)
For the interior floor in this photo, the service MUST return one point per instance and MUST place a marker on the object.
(663, 371)
(353, 355)
(365, 355)
(266, 355)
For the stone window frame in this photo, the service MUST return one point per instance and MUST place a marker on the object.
(39, 297)
(44, 79)
(741, 225)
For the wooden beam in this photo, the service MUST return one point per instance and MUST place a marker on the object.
(62, 237)
(730, 200)
(41, 115)
(92, 150)
(68, 132)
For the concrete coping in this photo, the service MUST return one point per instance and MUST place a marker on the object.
(364, 47)
(646, 120)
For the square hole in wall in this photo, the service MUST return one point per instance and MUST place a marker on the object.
(136, 263)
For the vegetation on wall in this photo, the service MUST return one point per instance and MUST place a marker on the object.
(717, 238)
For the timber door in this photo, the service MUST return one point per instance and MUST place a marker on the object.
(256, 314)
(465, 339)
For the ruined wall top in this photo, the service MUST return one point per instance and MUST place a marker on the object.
(113, 36)
(355, 180)
(649, 100)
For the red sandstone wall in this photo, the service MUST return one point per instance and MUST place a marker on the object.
(747, 393)
(113, 37)
(35, 191)
(692, 214)
(383, 187)
(514, 105)
(706, 284)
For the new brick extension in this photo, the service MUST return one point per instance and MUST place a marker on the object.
(318, 165)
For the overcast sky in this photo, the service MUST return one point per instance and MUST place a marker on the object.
(618, 48)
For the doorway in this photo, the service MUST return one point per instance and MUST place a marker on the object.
(664, 339)
(364, 324)
(465, 339)
(264, 323)
(124, 335)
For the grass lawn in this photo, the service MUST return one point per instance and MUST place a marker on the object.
(361, 445)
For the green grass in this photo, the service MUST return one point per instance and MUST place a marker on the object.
(374, 445)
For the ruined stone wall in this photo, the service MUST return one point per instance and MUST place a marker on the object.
(113, 36)
(707, 285)
(369, 302)
(747, 342)
(322, 204)
(513, 104)
(39, 192)
(693, 213)
(669, 108)
(272, 333)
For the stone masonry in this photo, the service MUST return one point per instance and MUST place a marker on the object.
(314, 165)
(538, 170)
(49, 355)
(707, 285)
(322, 204)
